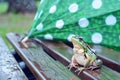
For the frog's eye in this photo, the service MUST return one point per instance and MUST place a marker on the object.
(77, 36)
(80, 38)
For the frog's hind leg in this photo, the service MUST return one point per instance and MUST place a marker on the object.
(94, 67)
(80, 69)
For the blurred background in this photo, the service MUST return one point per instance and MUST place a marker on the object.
(16, 16)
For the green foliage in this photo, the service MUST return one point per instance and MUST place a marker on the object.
(19, 23)
(15, 23)
(3, 7)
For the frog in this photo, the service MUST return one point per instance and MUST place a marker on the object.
(83, 55)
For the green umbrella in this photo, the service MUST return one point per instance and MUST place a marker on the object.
(97, 21)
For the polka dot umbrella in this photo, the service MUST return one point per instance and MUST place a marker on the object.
(97, 21)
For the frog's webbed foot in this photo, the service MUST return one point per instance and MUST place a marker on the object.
(93, 67)
(71, 65)
(80, 69)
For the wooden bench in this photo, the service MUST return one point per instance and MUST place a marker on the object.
(9, 68)
(47, 60)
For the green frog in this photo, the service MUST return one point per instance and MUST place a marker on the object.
(83, 55)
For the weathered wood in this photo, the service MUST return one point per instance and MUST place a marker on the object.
(58, 51)
(40, 63)
(9, 69)
(105, 73)
(110, 57)
(23, 53)
(62, 53)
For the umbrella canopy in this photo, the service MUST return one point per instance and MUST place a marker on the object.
(97, 21)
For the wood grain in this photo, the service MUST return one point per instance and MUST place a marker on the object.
(9, 69)
(106, 73)
(41, 64)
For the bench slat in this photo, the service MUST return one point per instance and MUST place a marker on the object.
(110, 57)
(58, 48)
(23, 53)
(9, 68)
(42, 65)
(53, 69)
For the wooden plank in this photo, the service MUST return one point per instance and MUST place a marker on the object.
(23, 53)
(9, 69)
(106, 73)
(53, 69)
(110, 57)
(57, 51)
(40, 63)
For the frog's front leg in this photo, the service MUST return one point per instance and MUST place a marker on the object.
(80, 69)
(73, 63)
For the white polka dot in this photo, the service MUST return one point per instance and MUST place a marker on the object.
(36, 16)
(97, 38)
(83, 22)
(40, 13)
(48, 36)
(110, 20)
(41, 1)
(119, 37)
(40, 26)
(60, 24)
(96, 4)
(52, 9)
(70, 36)
(73, 8)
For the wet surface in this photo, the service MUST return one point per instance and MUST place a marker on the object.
(9, 69)
(39, 58)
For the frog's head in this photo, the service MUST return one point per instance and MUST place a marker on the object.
(76, 40)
